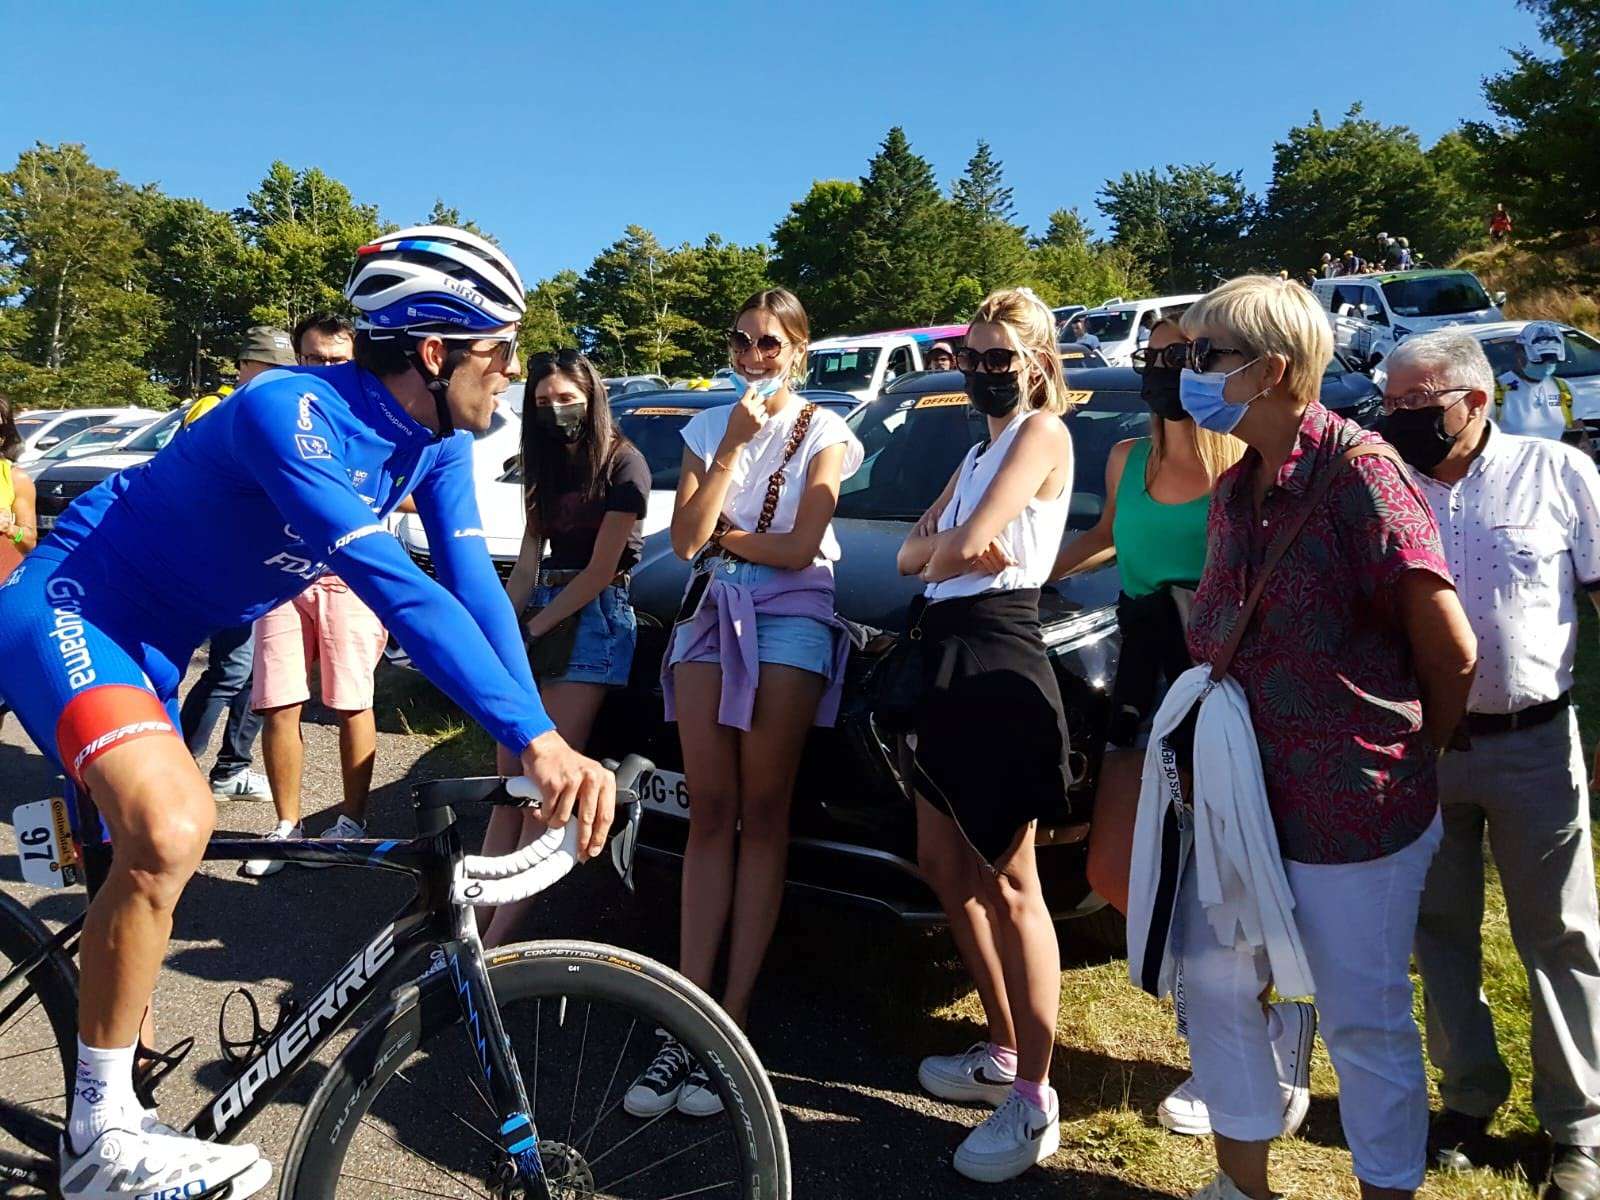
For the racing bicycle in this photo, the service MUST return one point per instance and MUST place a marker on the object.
(473, 1073)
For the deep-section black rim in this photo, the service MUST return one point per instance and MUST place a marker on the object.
(38, 1042)
(583, 1022)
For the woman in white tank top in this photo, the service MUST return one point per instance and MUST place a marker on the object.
(988, 757)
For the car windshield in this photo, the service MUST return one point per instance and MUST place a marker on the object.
(1436, 295)
(1109, 326)
(88, 440)
(28, 426)
(1583, 355)
(157, 435)
(655, 429)
(914, 443)
(846, 370)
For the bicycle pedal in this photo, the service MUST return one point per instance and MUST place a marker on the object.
(153, 1066)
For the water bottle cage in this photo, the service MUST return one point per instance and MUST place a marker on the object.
(150, 1067)
(238, 1051)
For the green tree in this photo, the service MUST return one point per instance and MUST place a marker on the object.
(1542, 154)
(630, 305)
(900, 254)
(811, 253)
(551, 320)
(305, 228)
(991, 248)
(448, 214)
(717, 277)
(196, 264)
(1190, 223)
(70, 250)
(1335, 187)
(1069, 267)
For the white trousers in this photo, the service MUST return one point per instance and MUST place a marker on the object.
(1356, 921)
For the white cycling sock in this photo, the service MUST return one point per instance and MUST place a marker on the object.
(102, 1094)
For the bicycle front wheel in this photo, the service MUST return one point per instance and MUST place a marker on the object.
(403, 1111)
(38, 1046)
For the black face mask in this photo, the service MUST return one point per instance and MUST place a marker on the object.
(1418, 434)
(564, 422)
(993, 393)
(1159, 391)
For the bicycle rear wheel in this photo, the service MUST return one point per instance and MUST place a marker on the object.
(38, 1048)
(403, 1110)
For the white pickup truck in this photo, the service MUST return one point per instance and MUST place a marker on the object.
(862, 365)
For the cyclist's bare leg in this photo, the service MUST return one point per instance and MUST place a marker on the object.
(160, 812)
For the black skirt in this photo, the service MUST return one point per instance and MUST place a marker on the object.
(991, 746)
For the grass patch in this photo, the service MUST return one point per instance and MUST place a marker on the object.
(406, 703)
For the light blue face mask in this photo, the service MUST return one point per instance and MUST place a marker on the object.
(1200, 393)
(1543, 370)
(764, 387)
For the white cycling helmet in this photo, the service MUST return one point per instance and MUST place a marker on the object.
(431, 279)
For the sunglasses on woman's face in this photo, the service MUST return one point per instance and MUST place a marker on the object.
(1175, 356)
(766, 345)
(1203, 354)
(994, 360)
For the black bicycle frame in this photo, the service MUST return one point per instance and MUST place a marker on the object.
(388, 961)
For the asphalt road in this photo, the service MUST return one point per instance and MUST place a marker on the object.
(851, 1001)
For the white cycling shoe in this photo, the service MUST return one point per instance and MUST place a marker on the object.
(121, 1164)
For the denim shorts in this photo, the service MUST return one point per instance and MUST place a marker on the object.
(800, 642)
(607, 630)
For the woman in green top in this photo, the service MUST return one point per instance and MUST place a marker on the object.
(1158, 494)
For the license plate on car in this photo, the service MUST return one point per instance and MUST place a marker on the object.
(45, 521)
(44, 843)
(666, 792)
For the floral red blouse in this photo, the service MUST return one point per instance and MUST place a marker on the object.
(1326, 665)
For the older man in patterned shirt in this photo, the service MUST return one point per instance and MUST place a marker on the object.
(1520, 521)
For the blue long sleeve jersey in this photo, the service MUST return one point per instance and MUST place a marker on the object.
(292, 476)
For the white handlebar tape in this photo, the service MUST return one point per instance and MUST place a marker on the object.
(505, 880)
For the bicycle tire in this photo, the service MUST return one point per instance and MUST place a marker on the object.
(52, 986)
(534, 970)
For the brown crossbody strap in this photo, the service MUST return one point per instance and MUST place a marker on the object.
(769, 507)
(1285, 539)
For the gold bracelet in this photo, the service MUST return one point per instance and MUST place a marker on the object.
(716, 462)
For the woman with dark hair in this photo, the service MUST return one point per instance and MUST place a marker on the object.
(585, 489)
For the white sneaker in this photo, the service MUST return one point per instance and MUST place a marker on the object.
(1185, 1112)
(1223, 1188)
(121, 1164)
(243, 785)
(1015, 1136)
(255, 868)
(344, 827)
(973, 1076)
(699, 1098)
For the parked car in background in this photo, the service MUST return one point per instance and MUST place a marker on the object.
(59, 484)
(1064, 315)
(1076, 356)
(43, 428)
(1371, 314)
(862, 365)
(626, 385)
(1122, 326)
(1580, 371)
(97, 439)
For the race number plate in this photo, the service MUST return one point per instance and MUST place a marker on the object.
(666, 792)
(44, 843)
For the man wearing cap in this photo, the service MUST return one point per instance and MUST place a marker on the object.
(1529, 399)
(941, 357)
(1520, 521)
(1330, 268)
(225, 682)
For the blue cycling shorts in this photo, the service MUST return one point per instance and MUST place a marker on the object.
(78, 678)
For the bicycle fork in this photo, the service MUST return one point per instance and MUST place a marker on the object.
(480, 1018)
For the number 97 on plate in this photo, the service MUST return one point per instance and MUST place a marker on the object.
(45, 848)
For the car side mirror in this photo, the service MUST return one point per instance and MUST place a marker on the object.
(1500, 297)
(46, 442)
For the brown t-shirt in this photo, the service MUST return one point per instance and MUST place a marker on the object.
(577, 519)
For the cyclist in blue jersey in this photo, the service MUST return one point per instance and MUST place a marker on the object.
(291, 477)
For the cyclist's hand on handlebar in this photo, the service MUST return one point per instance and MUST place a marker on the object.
(573, 786)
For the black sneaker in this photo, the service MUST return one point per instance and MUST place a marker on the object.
(1454, 1140)
(658, 1089)
(699, 1098)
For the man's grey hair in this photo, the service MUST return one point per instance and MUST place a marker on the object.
(1453, 358)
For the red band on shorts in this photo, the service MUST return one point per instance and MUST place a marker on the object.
(103, 717)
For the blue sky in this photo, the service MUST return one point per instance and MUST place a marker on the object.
(556, 125)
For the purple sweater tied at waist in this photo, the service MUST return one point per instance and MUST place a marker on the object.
(725, 625)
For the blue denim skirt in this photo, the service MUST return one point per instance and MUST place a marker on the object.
(607, 631)
(789, 641)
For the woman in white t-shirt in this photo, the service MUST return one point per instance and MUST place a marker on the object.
(756, 658)
(988, 756)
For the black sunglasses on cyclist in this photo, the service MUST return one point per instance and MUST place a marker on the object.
(1175, 356)
(766, 345)
(994, 360)
(1203, 353)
